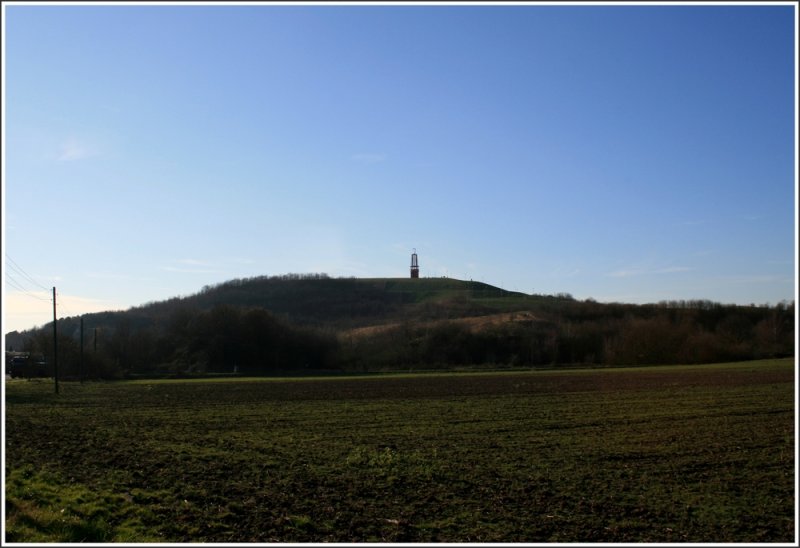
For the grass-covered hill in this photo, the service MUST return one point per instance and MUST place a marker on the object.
(311, 322)
(316, 300)
(344, 303)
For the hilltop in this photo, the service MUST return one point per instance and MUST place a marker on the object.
(316, 300)
(345, 303)
(313, 322)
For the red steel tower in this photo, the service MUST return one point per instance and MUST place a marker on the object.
(414, 265)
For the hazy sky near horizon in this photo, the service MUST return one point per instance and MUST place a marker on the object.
(622, 153)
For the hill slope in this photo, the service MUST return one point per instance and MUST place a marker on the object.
(345, 303)
(300, 322)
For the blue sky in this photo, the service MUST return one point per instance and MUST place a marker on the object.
(622, 153)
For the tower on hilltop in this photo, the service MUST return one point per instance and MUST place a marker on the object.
(414, 265)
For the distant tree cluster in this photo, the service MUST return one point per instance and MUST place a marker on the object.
(244, 340)
(587, 333)
(224, 339)
(238, 282)
(305, 322)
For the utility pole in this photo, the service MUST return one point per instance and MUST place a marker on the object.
(80, 362)
(95, 340)
(55, 342)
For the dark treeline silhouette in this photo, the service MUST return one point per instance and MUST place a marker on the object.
(299, 323)
(586, 334)
(223, 339)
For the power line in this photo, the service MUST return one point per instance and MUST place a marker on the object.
(66, 309)
(14, 283)
(21, 271)
(18, 286)
(17, 270)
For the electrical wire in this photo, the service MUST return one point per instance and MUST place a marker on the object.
(20, 271)
(19, 287)
(66, 310)
(17, 270)
(11, 281)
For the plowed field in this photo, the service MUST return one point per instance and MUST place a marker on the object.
(668, 454)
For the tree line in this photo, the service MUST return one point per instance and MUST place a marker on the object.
(304, 323)
(222, 340)
(581, 336)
